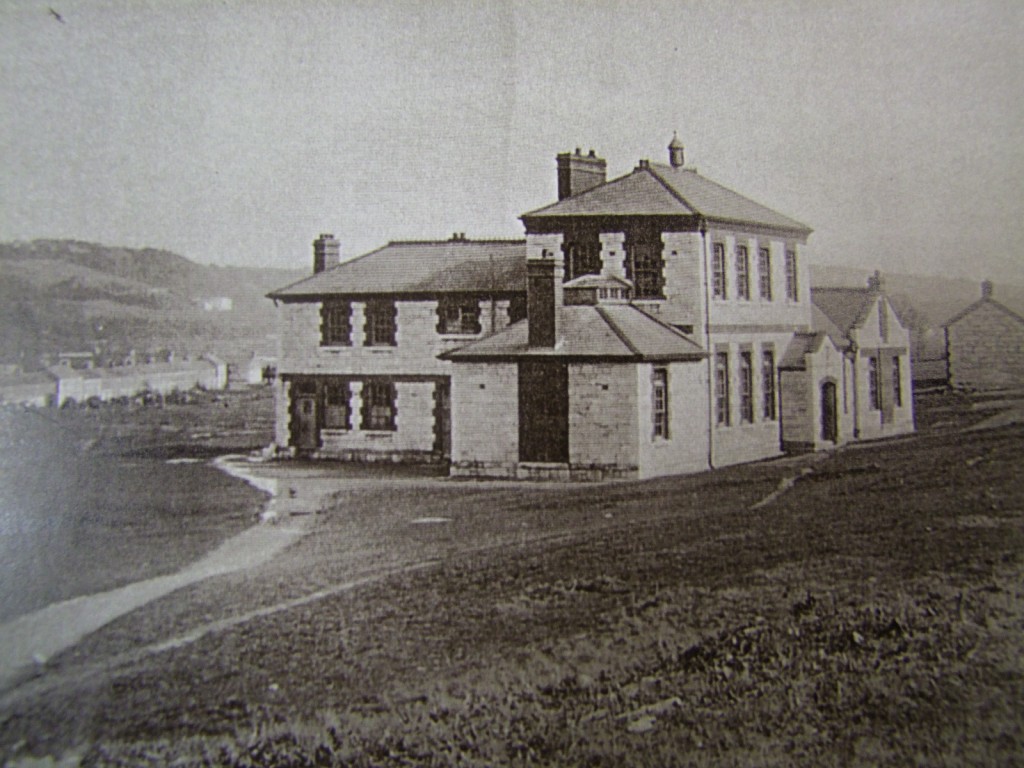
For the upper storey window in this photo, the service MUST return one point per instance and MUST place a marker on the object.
(458, 316)
(380, 323)
(742, 272)
(644, 263)
(336, 324)
(718, 287)
(792, 289)
(582, 250)
(764, 273)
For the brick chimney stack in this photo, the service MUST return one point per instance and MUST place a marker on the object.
(987, 288)
(578, 172)
(326, 252)
(544, 297)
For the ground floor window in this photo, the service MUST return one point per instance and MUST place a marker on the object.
(768, 384)
(746, 387)
(659, 384)
(337, 408)
(722, 389)
(379, 405)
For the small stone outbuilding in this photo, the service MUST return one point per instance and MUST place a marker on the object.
(985, 345)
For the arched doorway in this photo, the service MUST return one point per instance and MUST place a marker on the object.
(829, 412)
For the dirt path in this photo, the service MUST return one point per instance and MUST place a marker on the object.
(28, 641)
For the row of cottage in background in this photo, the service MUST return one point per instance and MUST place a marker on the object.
(83, 377)
(653, 324)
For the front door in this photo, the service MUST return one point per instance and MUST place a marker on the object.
(305, 432)
(543, 411)
(443, 419)
(829, 412)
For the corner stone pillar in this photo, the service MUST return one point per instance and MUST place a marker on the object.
(356, 404)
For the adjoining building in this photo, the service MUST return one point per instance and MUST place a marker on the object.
(985, 345)
(358, 374)
(851, 377)
(637, 331)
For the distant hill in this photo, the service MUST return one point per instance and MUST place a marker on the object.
(66, 295)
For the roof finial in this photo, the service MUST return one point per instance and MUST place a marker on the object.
(675, 151)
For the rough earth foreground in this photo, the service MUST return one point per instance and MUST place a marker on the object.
(859, 608)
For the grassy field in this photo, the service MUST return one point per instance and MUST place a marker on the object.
(872, 614)
(94, 498)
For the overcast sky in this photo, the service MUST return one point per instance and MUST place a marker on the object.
(233, 132)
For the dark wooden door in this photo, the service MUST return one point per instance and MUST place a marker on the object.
(543, 411)
(305, 432)
(829, 412)
(443, 419)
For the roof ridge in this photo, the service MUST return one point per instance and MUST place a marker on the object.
(486, 241)
(731, 191)
(665, 325)
(354, 259)
(617, 331)
(974, 305)
(577, 196)
(669, 188)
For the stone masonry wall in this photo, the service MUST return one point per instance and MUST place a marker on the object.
(777, 311)
(602, 416)
(986, 350)
(485, 419)
(686, 449)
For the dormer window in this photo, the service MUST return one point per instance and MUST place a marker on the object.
(458, 316)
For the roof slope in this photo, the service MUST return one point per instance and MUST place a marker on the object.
(421, 267)
(843, 309)
(655, 189)
(793, 359)
(977, 305)
(610, 331)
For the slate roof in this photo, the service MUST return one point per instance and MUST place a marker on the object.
(608, 332)
(421, 267)
(655, 189)
(980, 302)
(840, 310)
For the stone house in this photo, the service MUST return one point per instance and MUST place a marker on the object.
(851, 377)
(985, 345)
(359, 374)
(639, 330)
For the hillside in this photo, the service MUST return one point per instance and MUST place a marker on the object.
(66, 295)
(61, 295)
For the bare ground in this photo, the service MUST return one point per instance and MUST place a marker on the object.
(872, 613)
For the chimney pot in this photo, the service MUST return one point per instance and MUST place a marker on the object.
(987, 288)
